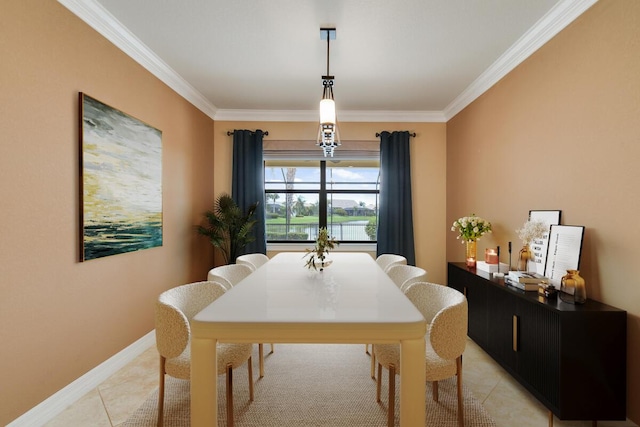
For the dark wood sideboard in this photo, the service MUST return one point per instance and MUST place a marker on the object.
(572, 358)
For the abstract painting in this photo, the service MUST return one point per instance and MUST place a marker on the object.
(121, 185)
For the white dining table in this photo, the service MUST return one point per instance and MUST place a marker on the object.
(351, 301)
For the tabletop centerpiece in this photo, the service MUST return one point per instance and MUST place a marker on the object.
(530, 231)
(318, 255)
(470, 229)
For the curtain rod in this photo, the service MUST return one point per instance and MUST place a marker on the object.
(411, 134)
(266, 133)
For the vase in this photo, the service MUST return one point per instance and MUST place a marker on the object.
(471, 256)
(572, 288)
(523, 258)
(324, 263)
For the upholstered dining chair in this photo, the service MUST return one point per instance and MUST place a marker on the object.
(252, 260)
(229, 276)
(174, 310)
(445, 310)
(404, 275)
(386, 261)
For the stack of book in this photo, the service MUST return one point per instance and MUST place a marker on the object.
(525, 280)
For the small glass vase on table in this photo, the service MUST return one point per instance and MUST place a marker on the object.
(572, 288)
(471, 253)
(530, 231)
(317, 257)
(523, 258)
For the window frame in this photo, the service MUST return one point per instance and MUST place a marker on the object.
(323, 197)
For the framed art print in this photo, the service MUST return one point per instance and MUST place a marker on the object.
(565, 247)
(121, 182)
(540, 246)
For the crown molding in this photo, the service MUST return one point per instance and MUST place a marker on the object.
(98, 18)
(343, 116)
(554, 21)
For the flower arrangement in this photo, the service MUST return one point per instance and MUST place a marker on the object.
(532, 230)
(471, 228)
(317, 255)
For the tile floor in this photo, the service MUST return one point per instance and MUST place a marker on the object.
(508, 402)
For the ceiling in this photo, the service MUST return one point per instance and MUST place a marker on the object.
(408, 60)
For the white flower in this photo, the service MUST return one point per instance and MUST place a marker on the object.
(471, 228)
(532, 230)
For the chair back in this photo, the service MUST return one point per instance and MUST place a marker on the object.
(386, 261)
(254, 261)
(446, 311)
(174, 310)
(229, 275)
(405, 275)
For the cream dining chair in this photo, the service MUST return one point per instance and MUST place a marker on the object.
(254, 261)
(229, 276)
(385, 261)
(174, 310)
(445, 310)
(403, 276)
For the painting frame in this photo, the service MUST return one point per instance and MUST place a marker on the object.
(540, 247)
(565, 251)
(121, 207)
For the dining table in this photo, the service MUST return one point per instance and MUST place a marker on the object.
(352, 301)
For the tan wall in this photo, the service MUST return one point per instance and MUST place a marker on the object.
(562, 131)
(60, 318)
(428, 151)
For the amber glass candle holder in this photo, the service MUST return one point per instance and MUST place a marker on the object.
(490, 256)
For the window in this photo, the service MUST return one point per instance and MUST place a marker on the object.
(305, 195)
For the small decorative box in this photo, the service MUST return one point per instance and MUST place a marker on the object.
(491, 268)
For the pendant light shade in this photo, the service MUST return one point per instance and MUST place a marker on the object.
(328, 111)
(328, 137)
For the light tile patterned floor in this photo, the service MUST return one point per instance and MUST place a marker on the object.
(507, 401)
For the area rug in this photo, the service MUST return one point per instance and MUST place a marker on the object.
(309, 385)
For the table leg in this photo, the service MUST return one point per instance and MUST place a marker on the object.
(204, 382)
(412, 383)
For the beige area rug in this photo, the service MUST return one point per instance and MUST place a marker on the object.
(310, 385)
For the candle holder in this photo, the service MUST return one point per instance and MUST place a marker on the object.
(491, 256)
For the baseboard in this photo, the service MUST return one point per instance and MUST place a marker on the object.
(58, 402)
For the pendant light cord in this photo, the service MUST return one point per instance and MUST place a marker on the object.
(328, 39)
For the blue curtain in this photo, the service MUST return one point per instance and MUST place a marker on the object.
(395, 219)
(247, 185)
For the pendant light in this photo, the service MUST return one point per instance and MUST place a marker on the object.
(328, 136)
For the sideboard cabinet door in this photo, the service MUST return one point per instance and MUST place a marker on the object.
(538, 355)
(475, 291)
(502, 342)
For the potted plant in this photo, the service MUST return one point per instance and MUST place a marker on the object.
(228, 228)
(317, 255)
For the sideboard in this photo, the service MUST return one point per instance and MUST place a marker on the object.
(572, 358)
